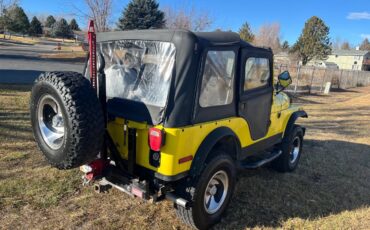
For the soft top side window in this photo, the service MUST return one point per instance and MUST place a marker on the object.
(257, 73)
(218, 78)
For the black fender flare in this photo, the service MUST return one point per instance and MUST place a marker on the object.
(295, 115)
(208, 144)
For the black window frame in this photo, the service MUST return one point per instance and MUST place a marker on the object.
(255, 54)
(216, 112)
(244, 75)
(204, 59)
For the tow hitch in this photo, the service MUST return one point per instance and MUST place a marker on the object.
(105, 176)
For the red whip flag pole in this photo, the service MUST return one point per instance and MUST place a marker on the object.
(92, 56)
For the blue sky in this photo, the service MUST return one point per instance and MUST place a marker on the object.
(348, 20)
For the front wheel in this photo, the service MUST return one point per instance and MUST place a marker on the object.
(291, 148)
(212, 193)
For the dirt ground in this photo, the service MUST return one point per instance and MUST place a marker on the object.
(329, 190)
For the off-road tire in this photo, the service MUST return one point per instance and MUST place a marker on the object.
(82, 114)
(196, 216)
(284, 162)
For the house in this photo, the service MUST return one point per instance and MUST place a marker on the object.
(350, 59)
(323, 64)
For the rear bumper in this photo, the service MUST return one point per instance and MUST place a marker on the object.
(114, 177)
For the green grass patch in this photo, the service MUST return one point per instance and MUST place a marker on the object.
(14, 156)
(40, 188)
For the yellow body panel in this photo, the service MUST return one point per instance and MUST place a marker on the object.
(185, 141)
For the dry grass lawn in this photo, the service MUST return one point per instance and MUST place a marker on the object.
(69, 51)
(34, 40)
(329, 190)
(20, 39)
(78, 56)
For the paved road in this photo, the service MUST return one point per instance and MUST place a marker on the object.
(20, 64)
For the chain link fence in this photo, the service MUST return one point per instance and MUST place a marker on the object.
(311, 79)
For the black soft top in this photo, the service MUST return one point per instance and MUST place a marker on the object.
(214, 38)
(181, 108)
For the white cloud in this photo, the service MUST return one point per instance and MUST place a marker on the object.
(358, 15)
(365, 36)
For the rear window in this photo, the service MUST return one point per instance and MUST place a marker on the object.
(138, 70)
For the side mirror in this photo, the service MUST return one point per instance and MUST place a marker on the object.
(284, 79)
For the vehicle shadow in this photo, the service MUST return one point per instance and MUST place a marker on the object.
(333, 176)
(9, 76)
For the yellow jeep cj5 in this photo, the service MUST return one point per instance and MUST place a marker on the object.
(172, 115)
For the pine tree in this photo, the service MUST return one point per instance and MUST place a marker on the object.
(61, 29)
(17, 20)
(141, 14)
(314, 42)
(50, 20)
(285, 46)
(35, 27)
(73, 25)
(245, 33)
(365, 45)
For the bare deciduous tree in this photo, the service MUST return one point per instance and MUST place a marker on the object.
(99, 11)
(337, 43)
(345, 46)
(5, 5)
(340, 44)
(269, 35)
(187, 19)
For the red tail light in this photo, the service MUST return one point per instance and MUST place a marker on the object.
(156, 139)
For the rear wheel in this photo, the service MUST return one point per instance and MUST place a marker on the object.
(67, 119)
(291, 148)
(210, 194)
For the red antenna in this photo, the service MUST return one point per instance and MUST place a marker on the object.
(92, 49)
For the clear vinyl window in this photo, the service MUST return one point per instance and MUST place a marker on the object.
(257, 73)
(218, 78)
(139, 70)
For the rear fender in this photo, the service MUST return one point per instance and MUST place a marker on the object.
(210, 142)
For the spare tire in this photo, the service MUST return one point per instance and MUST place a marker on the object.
(67, 119)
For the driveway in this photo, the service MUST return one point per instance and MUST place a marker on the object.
(21, 64)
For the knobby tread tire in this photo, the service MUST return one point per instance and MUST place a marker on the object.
(84, 118)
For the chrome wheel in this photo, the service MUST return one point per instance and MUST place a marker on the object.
(216, 192)
(296, 147)
(51, 121)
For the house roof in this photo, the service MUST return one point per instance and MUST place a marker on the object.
(350, 52)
